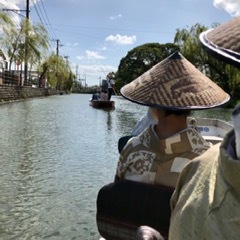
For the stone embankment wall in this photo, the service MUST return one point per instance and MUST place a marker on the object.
(16, 93)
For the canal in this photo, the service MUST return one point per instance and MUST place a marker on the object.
(56, 153)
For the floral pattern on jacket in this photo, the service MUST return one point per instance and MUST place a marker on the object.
(145, 158)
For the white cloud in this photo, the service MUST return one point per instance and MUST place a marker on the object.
(123, 40)
(91, 55)
(104, 48)
(95, 68)
(13, 3)
(72, 44)
(101, 69)
(115, 17)
(80, 57)
(230, 6)
(93, 73)
(16, 5)
(5, 4)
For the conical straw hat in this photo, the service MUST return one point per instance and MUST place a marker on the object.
(223, 41)
(175, 83)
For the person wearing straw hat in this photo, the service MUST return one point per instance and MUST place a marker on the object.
(171, 88)
(206, 203)
(110, 83)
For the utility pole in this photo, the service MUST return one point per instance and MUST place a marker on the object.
(57, 54)
(26, 37)
(58, 45)
(57, 50)
(26, 43)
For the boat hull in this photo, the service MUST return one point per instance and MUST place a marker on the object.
(102, 104)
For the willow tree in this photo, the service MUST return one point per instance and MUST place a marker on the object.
(9, 38)
(37, 44)
(187, 40)
(56, 70)
(13, 41)
(225, 75)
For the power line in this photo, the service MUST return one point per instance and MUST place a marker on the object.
(48, 21)
(107, 29)
(44, 19)
(42, 15)
(15, 11)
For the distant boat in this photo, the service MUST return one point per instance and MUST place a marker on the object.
(102, 103)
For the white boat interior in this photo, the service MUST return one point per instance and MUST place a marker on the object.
(213, 130)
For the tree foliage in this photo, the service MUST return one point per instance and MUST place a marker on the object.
(141, 59)
(14, 44)
(57, 72)
(186, 40)
(225, 75)
(29, 43)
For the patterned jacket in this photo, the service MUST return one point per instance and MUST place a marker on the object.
(145, 158)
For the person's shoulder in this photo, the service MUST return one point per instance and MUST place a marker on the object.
(132, 141)
(209, 157)
(128, 147)
(212, 151)
(132, 144)
(193, 135)
(136, 140)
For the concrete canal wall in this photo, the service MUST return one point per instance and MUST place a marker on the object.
(15, 93)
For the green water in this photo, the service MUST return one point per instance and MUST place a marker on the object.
(56, 153)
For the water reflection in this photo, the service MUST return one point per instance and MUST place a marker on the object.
(109, 122)
(219, 113)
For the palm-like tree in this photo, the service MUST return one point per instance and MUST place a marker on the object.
(13, 41)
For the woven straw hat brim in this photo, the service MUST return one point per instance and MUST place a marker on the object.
(175, 83)
(223, 42)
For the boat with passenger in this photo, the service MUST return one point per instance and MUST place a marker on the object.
(123, 206)
(101, 100)
(102, 103)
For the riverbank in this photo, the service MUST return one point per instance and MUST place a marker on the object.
(12, 93)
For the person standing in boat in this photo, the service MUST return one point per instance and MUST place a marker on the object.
(110, 83)
(171, 88)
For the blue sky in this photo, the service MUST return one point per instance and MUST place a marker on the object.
(96, 34)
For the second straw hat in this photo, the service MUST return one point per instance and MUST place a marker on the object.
(175, 83)
(223, 41)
